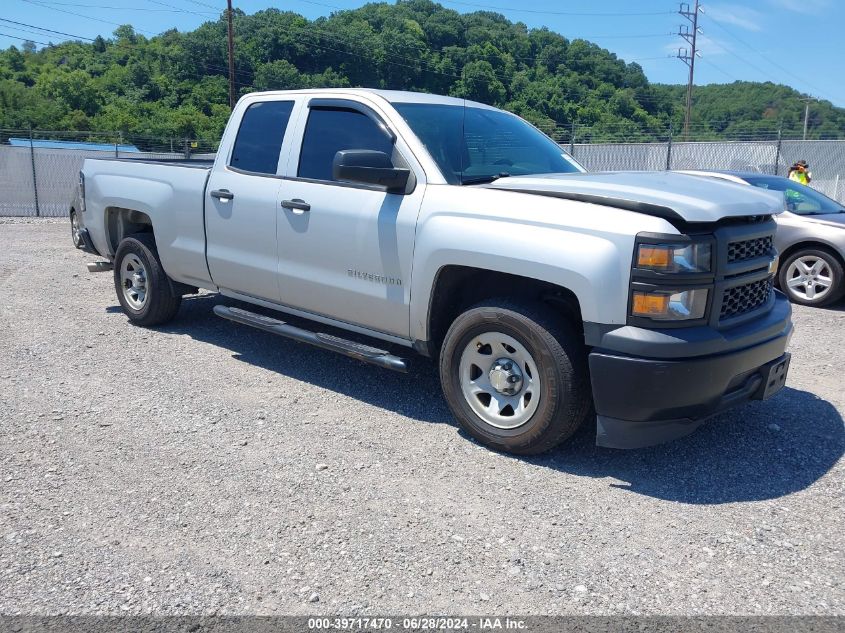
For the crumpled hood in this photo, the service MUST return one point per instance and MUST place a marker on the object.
(665, 194)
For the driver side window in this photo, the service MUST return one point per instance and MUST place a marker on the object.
(330, 130)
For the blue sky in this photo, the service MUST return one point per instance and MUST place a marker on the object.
(796, 42)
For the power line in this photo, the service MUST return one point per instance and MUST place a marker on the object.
(25, 39)
(100, 6)
(179, 10)
(88, 17)
(566, 13)
(41, 28)
(765, 57)
(721, 70)
(203, 4)
(417, 63)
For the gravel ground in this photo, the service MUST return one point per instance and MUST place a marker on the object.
(209, 468)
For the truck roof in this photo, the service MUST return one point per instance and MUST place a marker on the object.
(392, 96)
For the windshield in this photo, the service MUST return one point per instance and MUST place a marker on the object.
(800, 199)
(472, 145)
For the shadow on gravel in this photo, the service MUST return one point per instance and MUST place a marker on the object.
(737, 456)
(415, 395)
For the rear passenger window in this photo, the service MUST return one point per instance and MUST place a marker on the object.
(330, 130)
(259, 139)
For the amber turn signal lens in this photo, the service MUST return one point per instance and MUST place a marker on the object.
(653, 257)
(646, 304)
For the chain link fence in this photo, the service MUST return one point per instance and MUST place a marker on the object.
(39, 170)
(826, 158)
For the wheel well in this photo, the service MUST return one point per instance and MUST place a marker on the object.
(121, 222)
(458, 287)
(819, 246)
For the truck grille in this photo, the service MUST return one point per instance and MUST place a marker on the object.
(745, 298)
(749, 249)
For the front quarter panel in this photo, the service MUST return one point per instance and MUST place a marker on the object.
(583, 247)
(794, 229)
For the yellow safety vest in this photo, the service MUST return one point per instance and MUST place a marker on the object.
(799, 176)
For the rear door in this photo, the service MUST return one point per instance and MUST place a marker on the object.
(241, 198)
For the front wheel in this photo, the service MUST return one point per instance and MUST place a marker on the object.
(515, 376)
(141, 283)
(812, 277)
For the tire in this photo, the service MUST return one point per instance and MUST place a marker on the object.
(74, 229)
(141, 284)
(555, 355)
(816, 277)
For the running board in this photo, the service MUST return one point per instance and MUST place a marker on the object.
(365, 353)
(99, 267)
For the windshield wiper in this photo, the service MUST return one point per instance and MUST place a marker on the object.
(477, 180)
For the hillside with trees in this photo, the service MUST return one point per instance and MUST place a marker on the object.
(175, 84)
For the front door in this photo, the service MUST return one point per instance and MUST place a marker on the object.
(345, 251)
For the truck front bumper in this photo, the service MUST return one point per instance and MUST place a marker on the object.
(656, 396)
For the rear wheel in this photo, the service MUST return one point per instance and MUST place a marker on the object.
(812, 277)
(141, 284)
(515, 376)
(75, 229)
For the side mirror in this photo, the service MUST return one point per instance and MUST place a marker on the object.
(371, 168)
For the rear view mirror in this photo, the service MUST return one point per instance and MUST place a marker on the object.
(369, 167)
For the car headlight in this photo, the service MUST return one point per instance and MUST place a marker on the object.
(674, 258)
(670, 305)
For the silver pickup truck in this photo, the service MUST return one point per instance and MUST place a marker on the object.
(461, 232)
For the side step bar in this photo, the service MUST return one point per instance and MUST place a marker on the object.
(364, 353)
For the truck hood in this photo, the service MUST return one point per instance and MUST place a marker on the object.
(665, 194)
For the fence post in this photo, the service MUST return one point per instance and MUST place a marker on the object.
(572, 140)
(777, 151)
(34, 177)
(669, 149)
(187, 149)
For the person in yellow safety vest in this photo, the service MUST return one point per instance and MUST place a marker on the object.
(800, 172)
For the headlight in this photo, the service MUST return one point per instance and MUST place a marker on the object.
(674, 258)
(670, 305)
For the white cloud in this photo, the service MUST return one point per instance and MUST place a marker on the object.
(743, 17)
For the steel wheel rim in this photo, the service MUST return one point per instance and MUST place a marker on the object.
(482, 375)
(809, 278)
(74, 230)
(133, 280)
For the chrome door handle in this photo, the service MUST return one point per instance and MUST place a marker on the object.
(223, 195)
(296, 205)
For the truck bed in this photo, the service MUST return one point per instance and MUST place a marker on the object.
(169, 192)
(193, 163)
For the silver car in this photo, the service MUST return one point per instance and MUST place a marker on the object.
(810, 238)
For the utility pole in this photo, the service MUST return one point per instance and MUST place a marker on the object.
(231, 56)
(688, 55)
(807, 101)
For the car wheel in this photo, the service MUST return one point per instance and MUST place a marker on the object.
(75, 230)
(141, 283)
(515, 376)
(812, 277)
